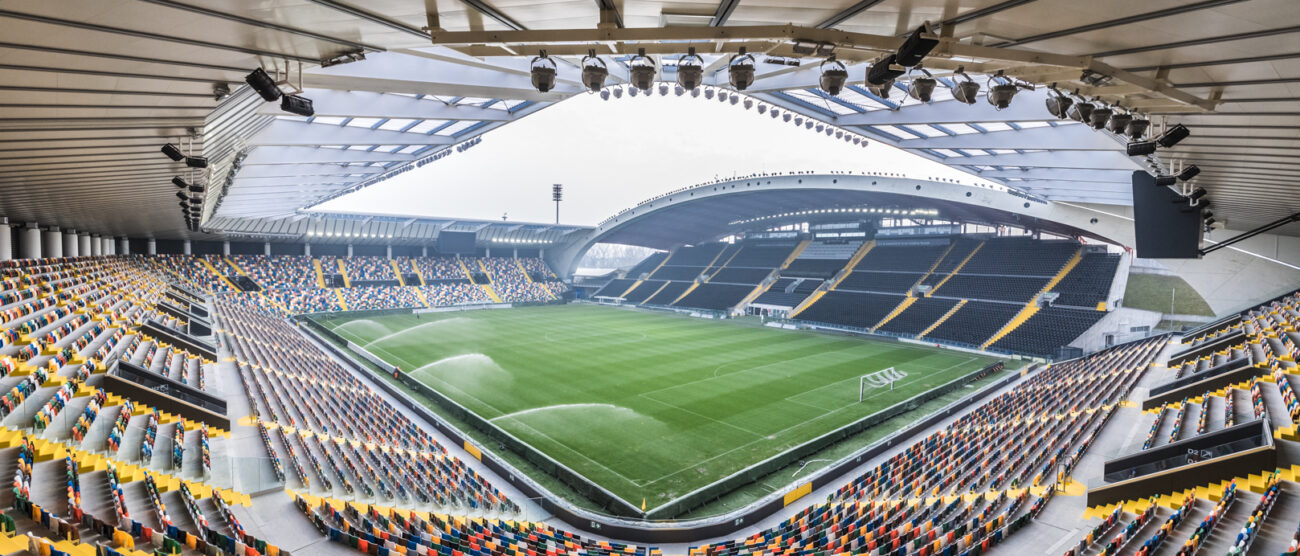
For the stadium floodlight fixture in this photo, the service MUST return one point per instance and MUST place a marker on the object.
(833, 78)
(679, 91)
(722, 96)
(633, 91)
(1189, 172)
(344, 58)
(1166, 181)
(735, 99)
(784, 116)
(641, 70)
(695, 93)
(181, 195)
(1137, 128)
(1198, 193)
(1002, 89)
(542, 69)
(220, 90)
(173, 152)
(1082, 111)
(1173, 135)
(708, 94)
(740, 70)
(299, 105)
(1058, 104)
(918, 45)
(604, 95)
(265, 86)
(922, 88)
(884, 71)
(618, 92)
(1141, 148)
(196, 188)
(178, 182)
(663, 89)
(1099, 117)
(594, 71)
(1119, 122)
(196, 161)
(690, 70)
(965, 91)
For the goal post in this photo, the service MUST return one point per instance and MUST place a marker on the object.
(878, 379)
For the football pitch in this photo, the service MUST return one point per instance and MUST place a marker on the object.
(649, 405)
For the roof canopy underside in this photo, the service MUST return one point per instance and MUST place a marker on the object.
(92, 88)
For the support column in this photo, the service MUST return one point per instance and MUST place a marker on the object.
(185, 247)
(151, 247)
(266, 248)
(424, 251)
(83, 244)
(31, 241)
(515, 253)
(6, 241)
(53, 242)
(225, 248)
(70, 244)
(306, 249)
(124, 246)
(349, 250)
(390, 252)
(110, 246)
(96, 246)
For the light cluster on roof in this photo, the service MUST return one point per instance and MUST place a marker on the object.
(842, 210)
(521, 241)
(365, 235)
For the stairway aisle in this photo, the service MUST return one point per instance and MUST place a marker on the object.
(1230, 523)
(1280, 526)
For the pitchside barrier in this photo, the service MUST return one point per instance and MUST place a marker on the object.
(657, 526)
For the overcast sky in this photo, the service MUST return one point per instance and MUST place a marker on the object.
(613, 154)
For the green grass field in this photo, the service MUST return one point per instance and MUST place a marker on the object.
(648, 405)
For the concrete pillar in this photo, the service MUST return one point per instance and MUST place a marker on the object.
(488, 251)
(96, 246)
(110, 246)
(185, 247)
(225, 248)
(83, 244)
(424, 251)
(306, 249)
(53, 242)
(151, 247)
(124, 246)
(31, 241)
(70, 244)
(515, 252)
(349, 250)
(6, 242)
(266, 249)
(390, 252)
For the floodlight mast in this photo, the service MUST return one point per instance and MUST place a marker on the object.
(557, 193)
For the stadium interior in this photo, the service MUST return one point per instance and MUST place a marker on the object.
(1061, 316)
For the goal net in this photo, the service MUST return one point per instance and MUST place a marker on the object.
(878, 379)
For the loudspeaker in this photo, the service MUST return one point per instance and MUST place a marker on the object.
(1161, 229)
